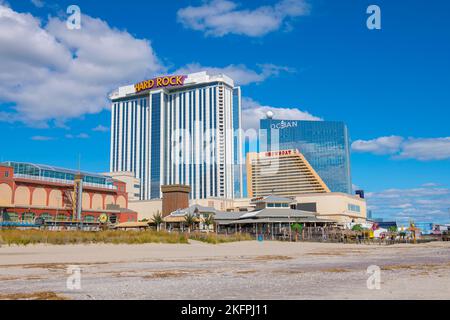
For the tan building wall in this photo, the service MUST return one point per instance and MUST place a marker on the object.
(97, 202)
(146, 209)
(5, 194)
(39, 197)
(55, 199)
(22, 196)
(86, 204)
(335, 206)
(224, 204)
(121, 202)
(109, 200)
(132, 183)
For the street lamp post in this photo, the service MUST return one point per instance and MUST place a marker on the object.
(290, 228)
(3, 217)
(57, 208)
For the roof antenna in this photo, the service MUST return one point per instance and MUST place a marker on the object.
(79, 163)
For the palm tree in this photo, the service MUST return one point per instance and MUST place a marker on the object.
(357, 227)
(189, 219)
(298, 228)
(158, 220)
(208, 220)
(392, 229)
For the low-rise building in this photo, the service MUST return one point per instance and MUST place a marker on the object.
(29, 191)
(337, 206)
(146, 208)
(133, 184)
(176, 220)
(273, 216)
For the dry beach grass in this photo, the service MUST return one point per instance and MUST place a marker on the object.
(27, 237)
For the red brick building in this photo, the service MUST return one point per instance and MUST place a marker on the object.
(29, 191)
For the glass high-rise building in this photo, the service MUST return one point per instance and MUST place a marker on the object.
(325, 144)
(179, 130)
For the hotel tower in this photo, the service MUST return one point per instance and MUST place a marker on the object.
(182, 129)
(324, 144)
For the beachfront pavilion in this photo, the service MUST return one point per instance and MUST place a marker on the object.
(176, 221)
(273, 217)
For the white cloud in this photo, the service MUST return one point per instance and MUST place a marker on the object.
(51, 72)
(78, 136)
(38, 3)
(241, 74)
(42, 138)
(101, 128)
(401, 206)
(83, 136)
(423, 204)
(426, 149)
(410, 148)
(430, 184)
(253, 111)
(382, 145)
(221, 17)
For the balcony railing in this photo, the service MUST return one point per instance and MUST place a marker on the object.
(63, 181)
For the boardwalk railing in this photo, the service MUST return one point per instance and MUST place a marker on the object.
(333, 235)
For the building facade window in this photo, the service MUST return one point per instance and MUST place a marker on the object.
(47, 217)
(325, 145)
(155, 146)
(28, 216)
(354, 207)
(89, 219)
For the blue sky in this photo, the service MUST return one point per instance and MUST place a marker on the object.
(315, 59)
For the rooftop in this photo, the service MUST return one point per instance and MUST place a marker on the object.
(274, 199)
(268, 212)
(58, 174)
(53, 168)
(190, 80)
(192, 209)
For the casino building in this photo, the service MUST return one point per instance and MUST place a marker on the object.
(180, 129)
(324, 144)
(281, 173)
(29, 191)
